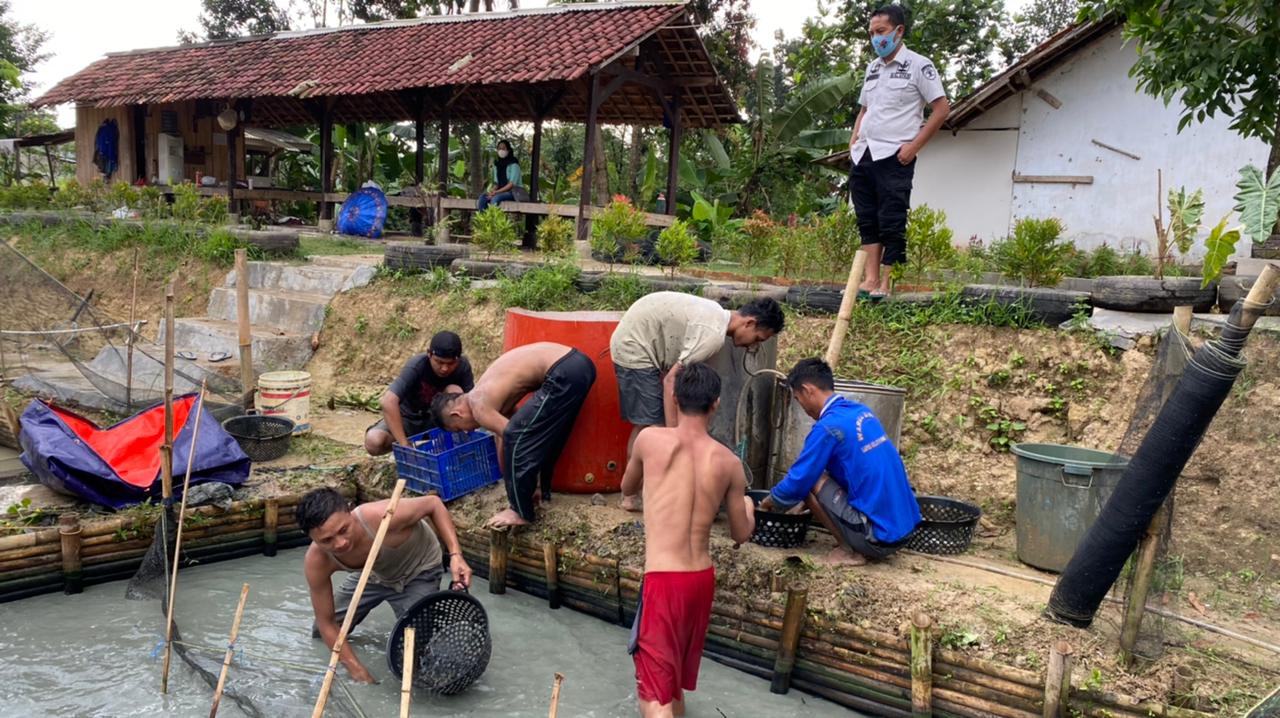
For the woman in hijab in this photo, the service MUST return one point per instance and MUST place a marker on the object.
(506, 177)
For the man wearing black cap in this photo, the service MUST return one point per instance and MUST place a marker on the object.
(406, 405)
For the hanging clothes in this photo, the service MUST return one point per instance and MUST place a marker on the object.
(106, 148)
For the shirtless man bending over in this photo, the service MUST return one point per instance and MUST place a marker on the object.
(530, 439)
(685, 476)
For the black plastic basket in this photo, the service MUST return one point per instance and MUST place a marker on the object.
(946, 526)
(262, 438)
(451, 643)
(778, 530)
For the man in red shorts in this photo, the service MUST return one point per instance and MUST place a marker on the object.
(685, 476)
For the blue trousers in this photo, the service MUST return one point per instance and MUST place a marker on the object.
(497, 199)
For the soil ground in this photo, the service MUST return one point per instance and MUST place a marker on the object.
(1062, 387)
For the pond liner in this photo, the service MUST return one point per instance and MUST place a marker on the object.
(1152, 472)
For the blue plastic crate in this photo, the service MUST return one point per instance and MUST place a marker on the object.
(451, 464)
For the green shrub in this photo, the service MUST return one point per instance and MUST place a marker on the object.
(555, 235)
(123, 194)
(152, 203)
(1032, 254)
(616, 229)
(795, 253)
(220, 247)
(928, 241)
(25, 196)
(70, 195)
(186, 202)
(619, 291)
(213, 210)
(492, 231)
(837, 240)
(1137, 264)
(676, 247)
(549, 287)
(756, 243)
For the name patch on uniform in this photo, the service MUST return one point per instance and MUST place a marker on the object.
(900, 75)
(873, 76)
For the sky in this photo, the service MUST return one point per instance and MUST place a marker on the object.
(81, 31)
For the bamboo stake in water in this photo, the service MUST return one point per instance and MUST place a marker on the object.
(555, 695)
(846, 307)
(226, 659)
(341, 640)
(247, 379)
(166, 451)
(406, 677)
(177, 543)
(133, 329)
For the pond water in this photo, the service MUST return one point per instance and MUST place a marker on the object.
(91, 655)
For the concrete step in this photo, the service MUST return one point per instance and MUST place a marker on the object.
(313, 279)
(148, 370)
(273, 350)
(294, 312)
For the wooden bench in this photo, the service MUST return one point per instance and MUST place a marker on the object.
(542, 208)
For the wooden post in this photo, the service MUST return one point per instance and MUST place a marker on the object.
(270, 519)
(921, 665)
(499, 549)
(406, 672)
(846, 308)
(792, 624)
(166, 450)
(231, 645)
(177, 541)
(588, 158)
(248, 381)
(133, 330)
(69, 532)
(1182, 318)
(673, 155)
(552, 561)
(535, 159)
(326, 158)
(347, 620)
(1057, 681)
(443, 165)
(233, 161)
(555, 695)
(1143, 572)
(419, 159)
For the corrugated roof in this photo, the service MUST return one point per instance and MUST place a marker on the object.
(560, 44)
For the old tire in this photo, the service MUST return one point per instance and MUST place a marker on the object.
(269, 241)
(1232, 289)
(1157, 296)
(679, 284)
(815, 298)
(418, 257)
(1051, 306)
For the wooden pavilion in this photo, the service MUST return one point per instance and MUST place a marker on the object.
(614, 63)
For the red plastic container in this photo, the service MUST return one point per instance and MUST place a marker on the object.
(596, 454)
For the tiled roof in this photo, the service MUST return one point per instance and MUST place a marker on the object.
(560, 44)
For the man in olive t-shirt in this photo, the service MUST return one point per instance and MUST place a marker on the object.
(406, 405)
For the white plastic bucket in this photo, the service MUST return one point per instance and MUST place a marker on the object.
(287, 394)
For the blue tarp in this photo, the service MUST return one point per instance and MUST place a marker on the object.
(119, 466)
(363, 214)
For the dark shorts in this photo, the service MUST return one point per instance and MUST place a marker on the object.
(880, 191)
(640, 396)
(411, 427)
(855, 527)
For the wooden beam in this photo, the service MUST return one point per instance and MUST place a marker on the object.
(1052, 179)
(673, 156)
(233, 158)
(326, 156)
(1117, 150)
(1048, 97)
(588, 156)
(535, 161)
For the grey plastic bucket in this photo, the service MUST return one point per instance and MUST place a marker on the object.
(1061, 490)
(888, 403)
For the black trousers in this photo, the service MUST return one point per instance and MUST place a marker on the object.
(537, 433)
(881, 195)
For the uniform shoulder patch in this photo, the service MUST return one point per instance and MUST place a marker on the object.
(929, 73)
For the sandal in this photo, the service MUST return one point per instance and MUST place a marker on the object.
(876, 297)
(216, 357)
(863, 294)
(189, 356)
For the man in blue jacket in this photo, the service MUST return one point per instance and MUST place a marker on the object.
(864, 498)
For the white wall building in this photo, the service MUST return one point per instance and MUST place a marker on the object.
(1065, 132)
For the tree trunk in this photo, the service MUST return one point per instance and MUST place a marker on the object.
(1273, 164)
(475, 161)
(600, 181)
(632, 184)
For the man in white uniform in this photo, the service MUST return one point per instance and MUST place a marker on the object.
(889, 133)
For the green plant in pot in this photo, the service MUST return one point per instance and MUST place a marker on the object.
(492, 231)
(616, 229)
(1032, 254)
(676, 247)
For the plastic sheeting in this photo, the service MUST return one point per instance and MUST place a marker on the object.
(120, 465)
(363, 214)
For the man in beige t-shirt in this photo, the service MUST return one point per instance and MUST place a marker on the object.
(665, 331)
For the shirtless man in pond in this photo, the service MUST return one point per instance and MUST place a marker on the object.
(685, 476)
(529, 439)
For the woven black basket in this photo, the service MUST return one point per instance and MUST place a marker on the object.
(451, 643)
(262, 438)
(778, 530)
(946, 526)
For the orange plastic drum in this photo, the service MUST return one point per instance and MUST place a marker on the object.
(596, 454)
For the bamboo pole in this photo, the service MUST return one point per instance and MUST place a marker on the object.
(555, 695)
(133, 329)
(1143, 573)
(499, 550)
(270, 521)
(69, 530)
(247, 380)
(166, 450)
(921, 665)
(406, 673)
(1057, 680)
(347, 620)
(551, 562)
(177, 542)
(846, 307)
(1182, 318)
(790, 639)
(226, 658)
